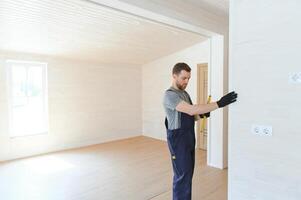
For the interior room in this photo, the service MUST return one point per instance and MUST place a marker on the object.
(81, 104)
(79, 76)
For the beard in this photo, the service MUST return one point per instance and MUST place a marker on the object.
(181, 87)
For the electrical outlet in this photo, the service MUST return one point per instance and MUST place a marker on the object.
(263, 130)
(256, 129)
(267, 130)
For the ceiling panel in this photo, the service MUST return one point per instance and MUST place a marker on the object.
(218, 7)
(78, 29)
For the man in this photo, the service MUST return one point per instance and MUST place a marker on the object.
(179, 122)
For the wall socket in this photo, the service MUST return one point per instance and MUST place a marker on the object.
(263, 130)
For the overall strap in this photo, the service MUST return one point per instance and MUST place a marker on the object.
(166, 123)
(189, 98)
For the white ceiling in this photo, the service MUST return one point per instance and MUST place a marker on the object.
(82, 30)
(217, 7)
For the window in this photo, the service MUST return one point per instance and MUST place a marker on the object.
(27, 87)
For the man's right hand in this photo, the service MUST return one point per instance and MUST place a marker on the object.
(227, 99)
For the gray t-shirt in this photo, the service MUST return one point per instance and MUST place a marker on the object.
(172, 98)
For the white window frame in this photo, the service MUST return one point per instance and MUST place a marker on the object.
(27, 64)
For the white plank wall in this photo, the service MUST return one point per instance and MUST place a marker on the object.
(265, 48)
(89, 103)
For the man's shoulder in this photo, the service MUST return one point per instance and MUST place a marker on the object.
(170, 92)
(169, 89)
(171, 96)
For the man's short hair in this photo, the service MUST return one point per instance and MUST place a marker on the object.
(179, 67)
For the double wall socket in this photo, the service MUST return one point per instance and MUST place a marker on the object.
(262, 130)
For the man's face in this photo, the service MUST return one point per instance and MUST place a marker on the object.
(182, 79)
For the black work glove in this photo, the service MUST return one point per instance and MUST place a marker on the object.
(227, 99)
(205, 115)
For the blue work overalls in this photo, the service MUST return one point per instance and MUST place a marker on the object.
(181, 143)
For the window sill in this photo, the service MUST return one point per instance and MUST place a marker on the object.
(28, 135)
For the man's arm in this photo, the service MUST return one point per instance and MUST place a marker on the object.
(205, 108)
(196, 109)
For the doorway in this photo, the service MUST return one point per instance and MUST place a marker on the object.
(217, 152)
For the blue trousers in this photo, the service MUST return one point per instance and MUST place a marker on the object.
(181, 143)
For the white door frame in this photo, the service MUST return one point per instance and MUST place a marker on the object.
(217, 152)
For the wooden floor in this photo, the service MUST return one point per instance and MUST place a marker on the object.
(132, 169)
